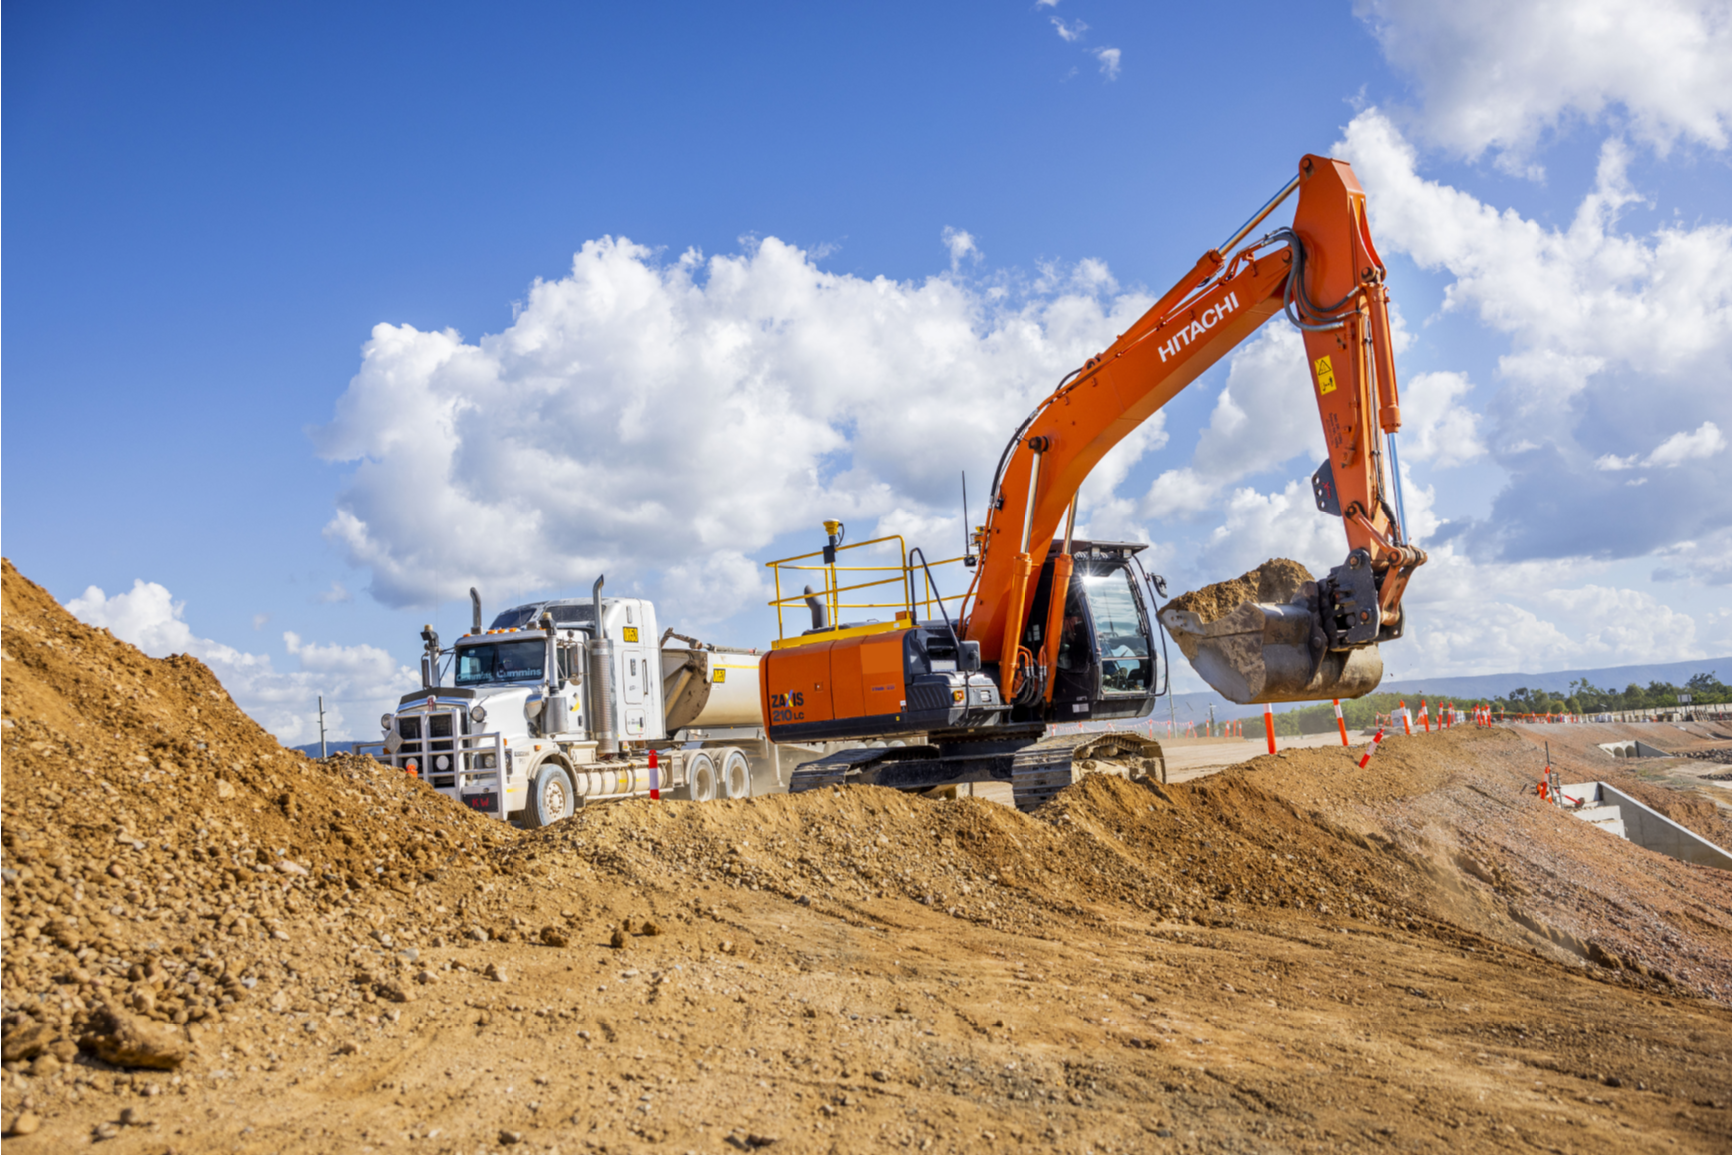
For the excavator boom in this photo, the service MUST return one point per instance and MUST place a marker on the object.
(1327, 255)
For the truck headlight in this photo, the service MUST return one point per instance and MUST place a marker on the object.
(479, 714)
(385, 722)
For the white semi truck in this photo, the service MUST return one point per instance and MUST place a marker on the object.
(565, 702)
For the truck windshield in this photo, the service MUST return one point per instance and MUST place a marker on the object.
(515, 662)
(1120, 638)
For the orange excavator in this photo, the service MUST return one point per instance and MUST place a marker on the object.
(1054, 630)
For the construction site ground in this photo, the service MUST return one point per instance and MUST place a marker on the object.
(1190, 758)
(212, 944)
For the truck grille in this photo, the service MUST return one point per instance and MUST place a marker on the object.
(425, 735)
(440, 728)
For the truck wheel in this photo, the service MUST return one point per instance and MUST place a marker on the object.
(702, 773)
(737, 774)
(550, 798)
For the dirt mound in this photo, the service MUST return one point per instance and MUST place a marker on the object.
(1462, 808)
(326, 956)
(1214, 850)
(165, 855)
(1274, 582)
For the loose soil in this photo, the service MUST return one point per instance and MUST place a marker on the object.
(1274, 582)
(1291, 955)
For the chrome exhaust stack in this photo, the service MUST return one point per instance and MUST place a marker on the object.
(601, 696)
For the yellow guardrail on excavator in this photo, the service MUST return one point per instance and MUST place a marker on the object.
(901, 587)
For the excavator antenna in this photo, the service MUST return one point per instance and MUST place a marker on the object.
(968, 547)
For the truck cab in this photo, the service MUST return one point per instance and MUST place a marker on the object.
(506, 707)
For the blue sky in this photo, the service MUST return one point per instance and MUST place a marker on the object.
(826, 256)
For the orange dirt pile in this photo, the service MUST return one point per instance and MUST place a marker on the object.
(1274, 582)
(212, 944)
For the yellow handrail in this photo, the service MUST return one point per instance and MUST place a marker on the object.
(899, 573)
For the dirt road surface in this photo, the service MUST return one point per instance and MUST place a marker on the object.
(1290, 955)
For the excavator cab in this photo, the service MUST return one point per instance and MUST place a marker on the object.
(1106, 664)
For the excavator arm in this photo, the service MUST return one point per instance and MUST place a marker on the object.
(1326, 256)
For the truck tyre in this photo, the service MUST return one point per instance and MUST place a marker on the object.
(702, 774)
(737, 774)
(550, 798)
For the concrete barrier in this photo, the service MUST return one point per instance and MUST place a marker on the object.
(1615, 812)
(1634, 749)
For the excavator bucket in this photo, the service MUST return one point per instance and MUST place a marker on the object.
(1260, 639)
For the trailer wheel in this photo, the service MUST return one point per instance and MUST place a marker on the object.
(737, 774)
(550, 798)
(702, 773)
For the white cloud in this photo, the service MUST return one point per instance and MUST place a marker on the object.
(1678, 449)
(335, 593)
(1497, 74)
(358, 682)
(1284, 524)
(1264, 417)
(1575, 301)
(675, 418)
(1435, 428)
(1471, 617)
(1109, 60)
(1703, 442)
(1069, 32)
(1596, 318)
(1708, 561)
(960, 245)
(1102, 513)
(147, 616)
(1465, 616)
(260, 619)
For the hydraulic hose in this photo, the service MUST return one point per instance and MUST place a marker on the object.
(1312, 317)
(1005, 455)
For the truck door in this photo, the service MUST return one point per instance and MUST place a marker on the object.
(634, 673)
(632, 660)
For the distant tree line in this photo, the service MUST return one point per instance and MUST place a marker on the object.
(1584, 698)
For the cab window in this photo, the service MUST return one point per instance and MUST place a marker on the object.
(1121, 642)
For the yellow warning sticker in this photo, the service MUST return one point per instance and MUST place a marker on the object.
(1327, 379)
(630, 634)
(716, 676)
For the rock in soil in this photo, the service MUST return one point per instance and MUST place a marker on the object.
(131, 1043)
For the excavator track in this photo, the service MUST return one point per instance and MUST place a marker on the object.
(1045, 767)
(1037, 772)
